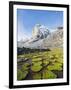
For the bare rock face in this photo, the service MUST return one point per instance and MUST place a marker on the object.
(55, 39)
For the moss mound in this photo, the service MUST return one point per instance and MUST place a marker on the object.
(21, 75)
(55, 66)
(49, 75)
(37, 76)
(36, 67)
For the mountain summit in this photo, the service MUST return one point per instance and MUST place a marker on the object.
(42, 38)
(40, 31)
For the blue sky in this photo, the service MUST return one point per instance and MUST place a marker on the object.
(27, 19)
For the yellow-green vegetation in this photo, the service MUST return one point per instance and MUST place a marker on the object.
(21, 75)
(36, 59)
(49, 75)
(45, 62)
(25, 56)
(37, 76)
(25, 67)
(37, 63)
(36, 67)
(56, 66)
(60, 60)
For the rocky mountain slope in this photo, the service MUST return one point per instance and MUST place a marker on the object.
(55, 39)
(42, 38)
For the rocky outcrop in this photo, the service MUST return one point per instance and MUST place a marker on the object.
(55, 39)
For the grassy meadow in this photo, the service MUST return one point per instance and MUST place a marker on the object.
(40, 65)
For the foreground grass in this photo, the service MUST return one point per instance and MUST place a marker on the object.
(44, 62)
